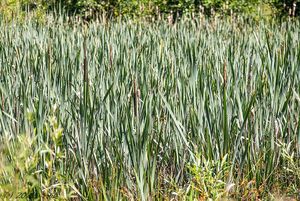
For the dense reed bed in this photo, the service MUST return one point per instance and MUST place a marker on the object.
(135, 111)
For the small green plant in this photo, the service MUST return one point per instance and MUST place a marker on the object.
(209, 178)
(32, 171)
(18, 168)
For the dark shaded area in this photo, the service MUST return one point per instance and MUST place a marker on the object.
(287, 7)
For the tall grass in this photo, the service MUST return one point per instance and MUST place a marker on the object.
(127, 110)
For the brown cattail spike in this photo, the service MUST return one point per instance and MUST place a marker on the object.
(225, 74)
(136, 98)
(85, 62)
(110, 56)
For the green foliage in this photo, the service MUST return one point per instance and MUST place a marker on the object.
(137, 110)
(149, 8)
(18, 9)
(209, 179)
(18, 169)
(32, 171)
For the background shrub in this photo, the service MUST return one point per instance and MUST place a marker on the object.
(152, 8)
